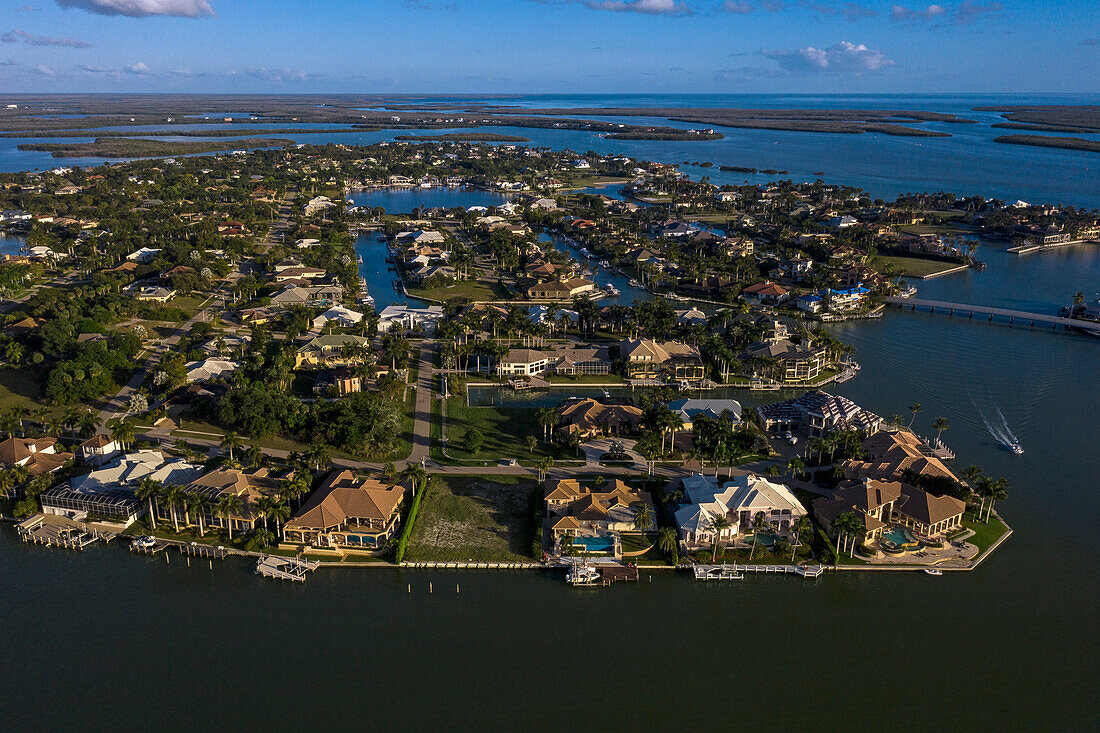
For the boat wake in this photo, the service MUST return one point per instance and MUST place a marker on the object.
(999, 429)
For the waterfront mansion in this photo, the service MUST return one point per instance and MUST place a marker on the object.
(739, 502)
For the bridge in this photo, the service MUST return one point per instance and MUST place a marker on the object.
(1013, 316)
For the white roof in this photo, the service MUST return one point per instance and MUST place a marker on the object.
(345, 316)
(128, 470)
(756, 494)
(209, 369)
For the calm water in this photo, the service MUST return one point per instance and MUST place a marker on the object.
(133, 641)
(966, 163)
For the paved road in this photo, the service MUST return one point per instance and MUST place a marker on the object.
(422, 411)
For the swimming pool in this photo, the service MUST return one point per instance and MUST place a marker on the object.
(767, 540)
(900, 537)
(595, 545)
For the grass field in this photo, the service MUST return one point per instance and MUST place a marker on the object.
(472, 289)
(19, 388)
(985, 534)
(505, 430)
(911, 266)
(471, 518)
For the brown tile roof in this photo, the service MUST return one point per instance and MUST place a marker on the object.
(588, 414)
(928, 508)
(344, 496)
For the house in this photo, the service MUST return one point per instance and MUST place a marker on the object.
(207, 369)
(576, 359)
(154, 293)
(524, 362)
(305, 295)
(588, 418)
(575, 511)
(561, 289)
(688, 409)
(332, 349)
(765, 293)
(108, 491)
(810, 303)
(97, 449)
(143, 256)
(248, 486)
(339, 315)
(297, 274)
(927, 514)
(895, 455)
(420, 236)
(318, 203)
(878, 504)
(670, 360)
(847, 298)
(343, 380)
(544, 204)
(740, 502)
(24, 326)
(842, 222)
(817, 414)
(348, 513)
(798, 362)
(410, 318)
(37, 455)
(691, 317)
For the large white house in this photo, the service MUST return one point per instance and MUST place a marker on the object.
(410, 318)
(739, 501)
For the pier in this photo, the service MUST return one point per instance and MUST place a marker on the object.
(990, 313)
(57, 531)
(285, 568)
(736, 572)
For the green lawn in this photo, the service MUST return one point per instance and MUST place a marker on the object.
(505, 430)
(984, 534)
(587, 379)
(19, 388)
(911, 266)
(472, 289)
(473, 518)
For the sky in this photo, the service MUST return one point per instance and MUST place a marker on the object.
(550, 46)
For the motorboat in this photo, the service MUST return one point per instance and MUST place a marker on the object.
(144, 542)
(612, 290)
(582, 575)
(933, 571)
(1015, 447)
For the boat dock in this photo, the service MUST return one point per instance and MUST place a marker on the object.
(285, 568)
(736, 572)
(56, 531)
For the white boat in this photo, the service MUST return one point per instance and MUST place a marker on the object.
(933, 571)
(634, 283)
(144, 542)
(1015, 448)
(908, 292)
(605, 263)
(612, 290)
(582, 575)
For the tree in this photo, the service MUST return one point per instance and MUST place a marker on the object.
(643, 517)
(532, 443)
(473, 441)
(199, 503)
(228, 505)
(547, 417)
(848, 527)
(759, 524)
(800, 528)
(318, 455)
(998, 491)
(795, 466)
(149, 490)
(544, 465)
(914, 408)
(939, 425)
(122, 433)
(174, 496)
(231, 441)
(717, 525)
(279, 513)
(668, 541)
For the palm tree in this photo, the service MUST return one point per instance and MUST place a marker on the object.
(230, 441)
(759, 524)
(799, 528)
(7, 483)
(643, 517)
(848, 525)
(228, 505)
(279, 511)
(174, 495)
(198, 502)
(544, 465)
(261, 507)
(998, 491)
(547, 417)
(795, 466)
(122, 433)
(939, 425)
(318, 455)
(716, 526)
(914, 408)
(668, 540)
(148, 490)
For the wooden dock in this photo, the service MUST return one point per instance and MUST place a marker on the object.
(736, 572)
(612, 573)
(285, 568)
(56, 531)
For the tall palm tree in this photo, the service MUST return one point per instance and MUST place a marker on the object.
(795, 466)
(279, 511)
(717, 525)
(998, 491)
(148, 490)
(799, 528)
(547, 417)
(174, 495)
(759, 524)
(231, 441)
(668, 540)
(261, 507)
(122, 432)
(318, 455)
(939, 425)
(914, 408)
(228, 505)
(643, 517)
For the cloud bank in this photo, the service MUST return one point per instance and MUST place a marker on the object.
(32, 40)
(142, 8)
(841, 58)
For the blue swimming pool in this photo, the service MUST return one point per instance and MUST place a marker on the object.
(601, 545)
(900, 537)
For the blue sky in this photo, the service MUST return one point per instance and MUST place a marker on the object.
(553, 46)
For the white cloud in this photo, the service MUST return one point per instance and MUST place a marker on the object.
(646, 7)
(142, 8)
(138, 69)
(32, 40)
(9, 62)
(931, 12)
(737, 6)
(45, 70)
(278, 75)
(842, 58)
(961, 14)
